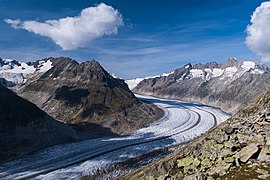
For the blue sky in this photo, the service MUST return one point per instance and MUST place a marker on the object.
(157, 35)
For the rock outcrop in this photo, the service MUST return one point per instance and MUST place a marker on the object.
(87, 94)
(228, 85)
(238, 145)
(24, 127)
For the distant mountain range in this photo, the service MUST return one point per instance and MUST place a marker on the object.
(227, 85)
(236, 149)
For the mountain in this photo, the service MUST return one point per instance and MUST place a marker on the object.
(239, 148)
(227, 85)
(24, 127)
(132, 83)
(13, 72)
(87, 94)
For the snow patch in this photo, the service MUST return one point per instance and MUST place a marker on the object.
(45, 66)
(230, 71)
(196, 73)
(217, 72)
(167, 74)
(187, 66)
(257, 71)
(132, 83)
(247, 65)
(17, 72)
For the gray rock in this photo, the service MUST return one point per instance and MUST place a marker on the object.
(247, 152)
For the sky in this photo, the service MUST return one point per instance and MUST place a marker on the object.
(135, 38)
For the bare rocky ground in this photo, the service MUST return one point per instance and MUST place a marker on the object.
(236, 148)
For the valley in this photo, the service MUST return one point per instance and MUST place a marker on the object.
(181, 123)
(134, 90)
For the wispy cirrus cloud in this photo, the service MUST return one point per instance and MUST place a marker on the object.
(73, 32)
(259, 31)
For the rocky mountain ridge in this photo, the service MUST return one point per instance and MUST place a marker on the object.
(227, 85)
(85, 93)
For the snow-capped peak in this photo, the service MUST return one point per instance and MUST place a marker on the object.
(15, 72)
(132, 83)
(229, 71)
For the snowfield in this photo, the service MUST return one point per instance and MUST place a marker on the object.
(182, 122)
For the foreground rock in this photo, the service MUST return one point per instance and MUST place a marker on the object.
(227, 85)
(86, 96)
(237, 145)
(24, 127)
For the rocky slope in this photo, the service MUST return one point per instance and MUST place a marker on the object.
(13, 72)
(86, 95)
(237, 148)
(227, 85)
(24, 127)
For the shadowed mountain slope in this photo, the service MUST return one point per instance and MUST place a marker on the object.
(24, 127)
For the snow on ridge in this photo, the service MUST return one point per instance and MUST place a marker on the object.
(167, 74)
(230, 71)
(45, 66)
(228, 74)
(17, 72)
(114, 76)
(196, 73)
(132, 83)
(217, 72)
(247, 65)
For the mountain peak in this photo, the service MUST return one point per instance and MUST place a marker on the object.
(231, 62)
(93, 64)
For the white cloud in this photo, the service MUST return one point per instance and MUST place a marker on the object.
(259, 31)
(73, 32)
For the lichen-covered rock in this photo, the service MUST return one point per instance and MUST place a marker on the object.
(264, 154)
(196, 162)
(247, 152)
(259, 139)
(185, 162)
(219, 169)
(229, 159)
(206, 163)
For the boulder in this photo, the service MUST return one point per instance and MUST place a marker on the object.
(264, 154)
(185, 162)
(245, 154)
(206, 163)
(259, 139)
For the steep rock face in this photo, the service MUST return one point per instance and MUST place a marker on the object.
(227, 85)
(24, 127)
(237, 146)
(86, 93)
